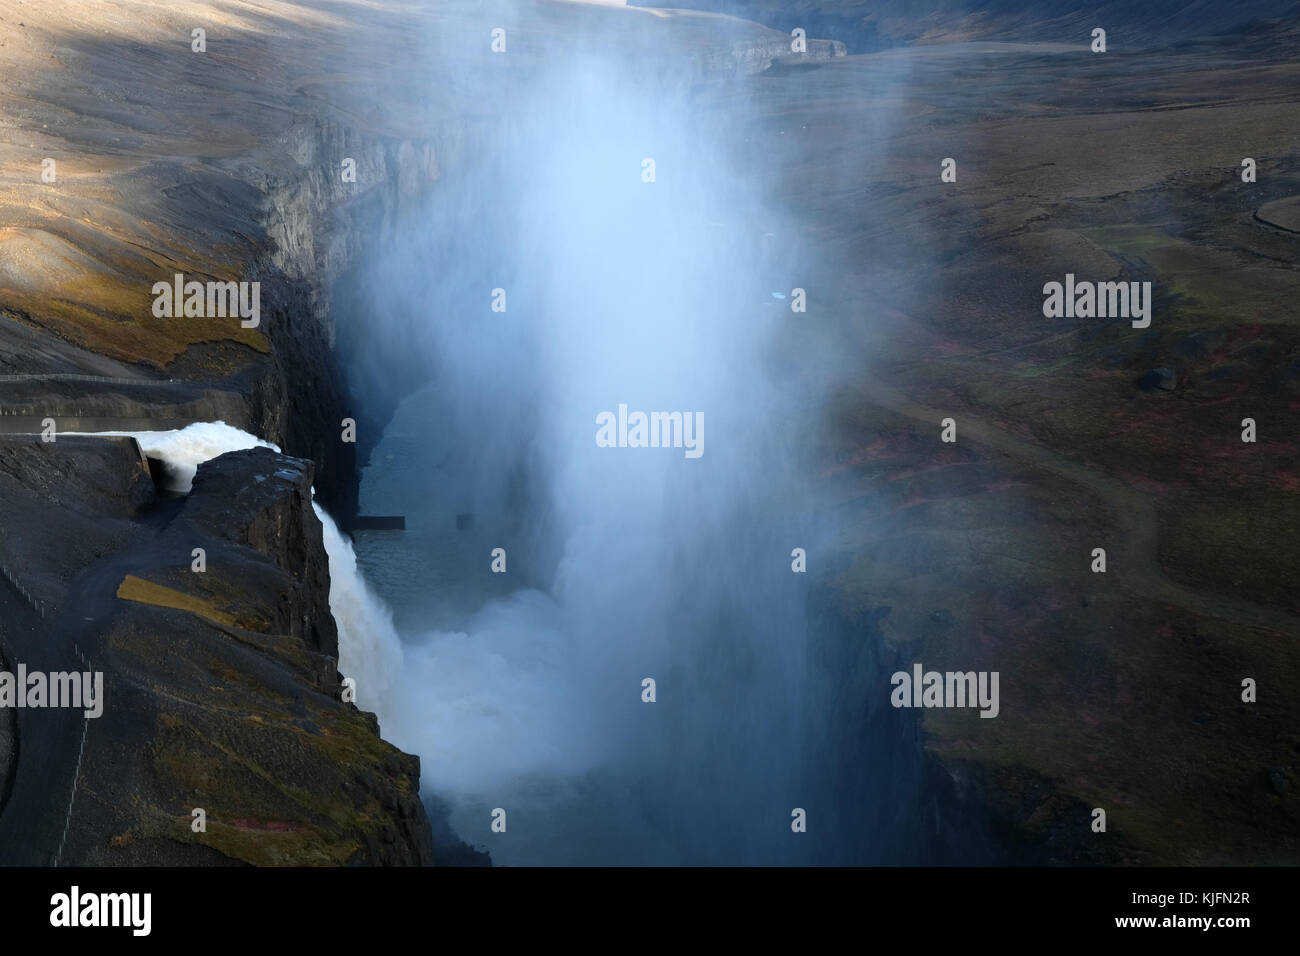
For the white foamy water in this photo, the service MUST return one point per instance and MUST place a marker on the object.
(369, 649)
(182, 450)
(489, 709)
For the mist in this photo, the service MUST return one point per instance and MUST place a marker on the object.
(622, 563)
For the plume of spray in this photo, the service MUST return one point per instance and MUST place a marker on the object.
(621, 288)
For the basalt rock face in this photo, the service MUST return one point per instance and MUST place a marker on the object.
(221, 691)
(312, 218)
(273, 516)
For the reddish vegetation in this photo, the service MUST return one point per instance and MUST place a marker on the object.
(912, 502)
(1005, 484)
(274, 826)
(953, 348)
(927, 469)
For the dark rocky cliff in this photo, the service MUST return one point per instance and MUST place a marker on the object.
(221, 686)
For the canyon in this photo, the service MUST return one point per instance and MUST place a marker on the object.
(224, 166)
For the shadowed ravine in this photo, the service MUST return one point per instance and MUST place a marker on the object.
(473, 254)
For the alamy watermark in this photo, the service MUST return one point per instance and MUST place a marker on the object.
(75, 908)
(949, 689)
(1086, 300)
(211, 300)
(78, 689)
(652, 430)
